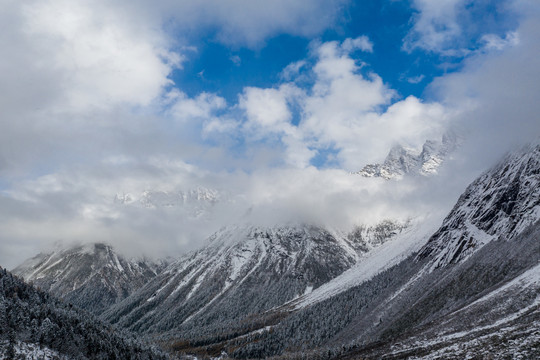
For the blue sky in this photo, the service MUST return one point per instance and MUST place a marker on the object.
(226, 69)
(270, 103)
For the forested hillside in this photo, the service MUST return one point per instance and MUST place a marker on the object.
(34, 324)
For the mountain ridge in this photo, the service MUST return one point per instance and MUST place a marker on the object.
(92, 276)
(269, 265)
(481, 305)
(402, 161)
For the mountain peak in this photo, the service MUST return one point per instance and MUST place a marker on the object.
(92, 275)
(402, 161)
(502, 202)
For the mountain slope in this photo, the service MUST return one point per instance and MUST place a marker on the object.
(481, 304)
(34, 323)
(486, 305)
(448, 295)
(243, 271)
(408, 241)
(500, 203)
(90, 276)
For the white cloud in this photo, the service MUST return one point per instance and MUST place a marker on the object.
(269, 117)
(249, 22)
(360, 43)
(415, 79)
(292, 70)
(494, 42)
(200, 108)
(78, 205)
(346, 112)
(101, 58)
(236, 60)
(266, 108)
(72, 72)
(93, 76)
(496, 93)
(124, 131)
(459, 27)
(435, 25)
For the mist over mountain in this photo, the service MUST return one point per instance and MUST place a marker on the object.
(269, 266)
(91, 276)
(402, 161)
(286, 179)
(419, 306)
(394, 289)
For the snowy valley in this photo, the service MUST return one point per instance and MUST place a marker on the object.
(392, 290)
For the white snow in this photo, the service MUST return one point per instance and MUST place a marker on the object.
(481, 238)
(32, 352)
(529, 278)
(459, 339)
(117, 263)
(41, 270)
(185, 281)
(383, 257)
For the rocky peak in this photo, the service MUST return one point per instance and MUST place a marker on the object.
(92, 276)
(402, 161)
(501, 203)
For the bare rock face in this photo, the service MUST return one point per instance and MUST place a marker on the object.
(402, 161)
(499, 204)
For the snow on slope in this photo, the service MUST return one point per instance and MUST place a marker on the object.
(279, 261)
(530, 278)
(268, 265)
(28, 351)
(92, 276)
(399, 247)
(501, 203)
(514, 331)
(402, 161)
(486, 303)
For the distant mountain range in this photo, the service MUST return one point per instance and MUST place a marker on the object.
(269, 266)
(467, 289)
(402, 161)
(194, 203)
(91, 276)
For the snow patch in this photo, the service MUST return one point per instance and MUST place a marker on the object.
(383, 257)
(31, 352)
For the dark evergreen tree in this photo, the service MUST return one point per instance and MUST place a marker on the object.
(30, 316)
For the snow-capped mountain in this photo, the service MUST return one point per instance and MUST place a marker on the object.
(36, 325)
(468, 288)
(406, 301)
(193, 203)
(402, 161)
(92, 276)
(500, 204)
(209, 289)
(406, 241)
(161, 198)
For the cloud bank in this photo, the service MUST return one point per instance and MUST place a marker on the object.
(90, 115)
